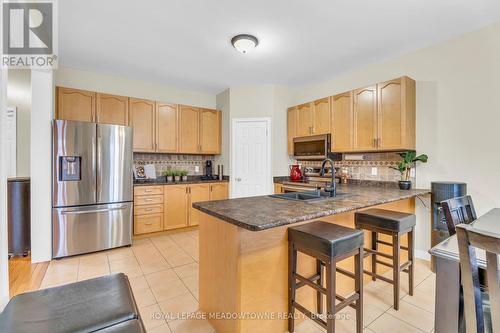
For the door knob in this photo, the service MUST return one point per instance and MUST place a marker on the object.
(238, 179)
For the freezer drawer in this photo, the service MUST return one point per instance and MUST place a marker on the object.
(79, 230)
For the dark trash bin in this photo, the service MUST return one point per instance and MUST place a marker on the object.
(19, 217)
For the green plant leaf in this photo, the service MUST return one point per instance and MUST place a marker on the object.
(422, 158)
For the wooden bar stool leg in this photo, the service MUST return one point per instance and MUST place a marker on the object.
(292, 268)
(411, 258)
(319, 295)
(396, 268)
(374, 256)
(330, 299)
(358, 275)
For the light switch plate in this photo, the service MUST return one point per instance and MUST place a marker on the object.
(412, 173)
(374, 171)
(196, 168)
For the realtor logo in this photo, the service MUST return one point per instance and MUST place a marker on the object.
(29, 39)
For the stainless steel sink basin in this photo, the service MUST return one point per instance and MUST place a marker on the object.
(307, 196)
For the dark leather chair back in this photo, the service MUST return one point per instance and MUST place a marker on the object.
(458, 210)
(468, 240)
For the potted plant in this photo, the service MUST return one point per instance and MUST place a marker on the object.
(409, 159)
(177, 175)
(184, 175)
(169, 174)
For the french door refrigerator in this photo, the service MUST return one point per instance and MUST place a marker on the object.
(91, 187)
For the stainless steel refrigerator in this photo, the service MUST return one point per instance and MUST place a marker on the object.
(91, 187)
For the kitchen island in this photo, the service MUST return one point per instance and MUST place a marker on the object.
(243, 253)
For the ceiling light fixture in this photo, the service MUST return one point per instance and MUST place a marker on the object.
(244, 43)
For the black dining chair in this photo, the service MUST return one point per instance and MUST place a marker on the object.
(481, 315)
(458, 210)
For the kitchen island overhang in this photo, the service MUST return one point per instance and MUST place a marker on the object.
(244, 253)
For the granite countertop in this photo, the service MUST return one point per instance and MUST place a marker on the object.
(191, 180)
(265, 212)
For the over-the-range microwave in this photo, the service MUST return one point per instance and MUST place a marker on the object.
(314, 147)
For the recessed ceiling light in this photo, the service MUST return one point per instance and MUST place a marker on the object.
(244, 43)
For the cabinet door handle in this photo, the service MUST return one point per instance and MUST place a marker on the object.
(147, 190)
(375, 143)
(148, 209)
(379, 142)
(148, 200)
(148, 223)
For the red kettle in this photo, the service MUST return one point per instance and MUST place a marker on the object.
(295, 173)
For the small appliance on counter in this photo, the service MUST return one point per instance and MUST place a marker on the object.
(209, 172)
(220, 172)
(295, 173)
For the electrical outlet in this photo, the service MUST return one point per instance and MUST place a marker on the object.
(412, 173)
(196, 168)
(374, 171)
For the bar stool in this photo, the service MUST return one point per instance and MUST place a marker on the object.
(327, 243)
(394, 224)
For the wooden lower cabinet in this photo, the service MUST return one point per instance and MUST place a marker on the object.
(167, 207)
(219, 191)
(197, 193)
(175, 206)
(144, 224)
(148, 209)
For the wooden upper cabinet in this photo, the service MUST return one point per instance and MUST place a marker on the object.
(365, 118)
(142, 119)
(166, 128)
(305, 119)
(210, 131)
(292, 128)
(75, 104)
(189, 130)
(342, 122)
(112, 109)
(198, 193)
(321, 116)
(396, 114)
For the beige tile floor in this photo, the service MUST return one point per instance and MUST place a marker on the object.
(163, 272)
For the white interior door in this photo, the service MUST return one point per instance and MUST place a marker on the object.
(251, 157)
(11, 141)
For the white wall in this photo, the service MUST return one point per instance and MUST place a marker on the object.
(19, 95)
(257, 101)
(458, 112)
(4, 265)
(74, 78)
(223, 104)
(42, 98)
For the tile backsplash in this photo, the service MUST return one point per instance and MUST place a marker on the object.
(361, 169)
(163, 162)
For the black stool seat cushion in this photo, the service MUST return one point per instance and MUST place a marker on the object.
(384, 220)
(85, 306)
(327, 238)
(129, 326)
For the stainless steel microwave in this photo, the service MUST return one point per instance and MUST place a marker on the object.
(314, 147)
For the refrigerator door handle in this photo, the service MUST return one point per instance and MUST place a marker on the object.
(76, 212)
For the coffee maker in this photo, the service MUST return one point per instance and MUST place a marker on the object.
(208, 171)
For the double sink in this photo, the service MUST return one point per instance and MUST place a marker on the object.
(308, 196)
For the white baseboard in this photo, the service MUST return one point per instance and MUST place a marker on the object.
(424, 255)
